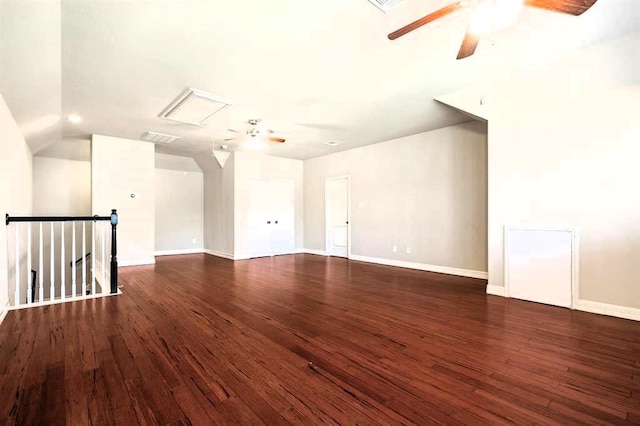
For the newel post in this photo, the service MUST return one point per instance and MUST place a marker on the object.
(114, 252)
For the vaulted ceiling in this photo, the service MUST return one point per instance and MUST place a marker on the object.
(314, 71)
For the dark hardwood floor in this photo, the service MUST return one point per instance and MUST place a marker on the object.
(305, 339)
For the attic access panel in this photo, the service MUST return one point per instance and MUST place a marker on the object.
(194, 107)
(384, 5)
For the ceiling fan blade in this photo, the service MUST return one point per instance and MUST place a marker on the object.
(447, 10)
(278, 140)
(571, 7)
(468, 46)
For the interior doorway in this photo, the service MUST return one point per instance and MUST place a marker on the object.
(337, 226)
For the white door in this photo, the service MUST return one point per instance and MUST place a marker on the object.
(259, 241)
(539, 265)
(281, 228)
(271, 218)
(337, 214)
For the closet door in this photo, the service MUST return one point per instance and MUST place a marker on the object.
(271, 218)
(281, 233)
(259, 239)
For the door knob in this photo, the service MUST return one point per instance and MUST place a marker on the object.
(347, 222)
(268, 222)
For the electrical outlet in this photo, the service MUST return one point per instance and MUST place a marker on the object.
(408, 249)
(394, 249)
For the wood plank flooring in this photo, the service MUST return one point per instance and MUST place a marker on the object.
(306, 339)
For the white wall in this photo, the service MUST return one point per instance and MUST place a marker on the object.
(15, 190)
(218, 204)
(563, 150)
(61, 187)
(426, 191)
(121, 167)
(250, 166)
(178, 210)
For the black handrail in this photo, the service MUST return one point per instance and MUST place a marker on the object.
(96, 218)
(113, 218)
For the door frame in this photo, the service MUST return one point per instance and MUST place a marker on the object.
(327, 228)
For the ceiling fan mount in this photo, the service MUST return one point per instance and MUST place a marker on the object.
(486, 14)
(254, 131)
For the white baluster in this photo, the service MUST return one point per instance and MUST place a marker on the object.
(74, 290)
(93, 257)
(84, 260)
(63, 289)
(17, 270)
(29, 284)
(41, 268)
(52, 274)
(103, 264)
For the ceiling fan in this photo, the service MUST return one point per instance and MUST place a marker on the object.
(254, 132)
(492, 13)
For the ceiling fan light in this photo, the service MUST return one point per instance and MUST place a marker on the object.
(506, 13)
(254, 144)
(480, 19)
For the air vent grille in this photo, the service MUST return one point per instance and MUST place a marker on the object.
(158, 137)
(384, 5)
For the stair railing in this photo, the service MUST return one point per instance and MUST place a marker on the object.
(100, 274)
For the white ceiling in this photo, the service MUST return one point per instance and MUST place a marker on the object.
(315, 71)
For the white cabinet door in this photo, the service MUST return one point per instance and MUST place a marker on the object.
(271, 218)
(539, 265)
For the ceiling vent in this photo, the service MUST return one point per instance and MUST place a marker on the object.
(158, 137)
(384, 5)
(194, 107)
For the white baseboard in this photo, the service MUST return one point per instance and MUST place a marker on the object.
(219, 254)
(497, 290)
(421, 266)
(314, 251)
(66, 300)
(137, 262)
(181, 251)
(607, 309)
(4, 312)
(586, 306)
